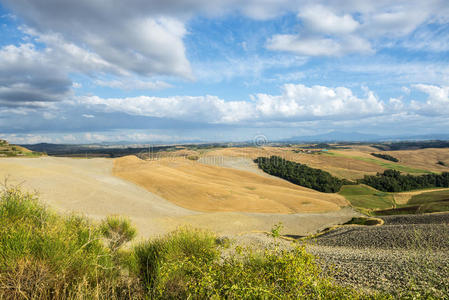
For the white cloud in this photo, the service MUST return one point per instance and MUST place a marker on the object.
(134, 84)
(437, 102)
(131, 38)
(297, 102)
(330, 28)
(321, 19)
(88, 116)
(316, 102)
(208, 109)
(318, 46)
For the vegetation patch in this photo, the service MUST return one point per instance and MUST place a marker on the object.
(9, 150)
(193, 157)
(44, 255)
(362, 196)
(301, 174)
(430, 202)
(394, 181)
(364, 221)
(385, 156)
(49, 256)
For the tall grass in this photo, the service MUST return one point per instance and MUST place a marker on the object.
(44, 255)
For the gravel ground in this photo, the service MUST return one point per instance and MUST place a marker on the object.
(406, 253)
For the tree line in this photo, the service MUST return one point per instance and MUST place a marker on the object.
(301, 174)
(385, 156)
(394, 181)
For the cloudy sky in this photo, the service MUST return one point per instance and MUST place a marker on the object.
(215, 70)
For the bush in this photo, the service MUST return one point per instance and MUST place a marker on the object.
(186, 264)
(117, 231)
(44, 255)
(153, 256)
(193, 157)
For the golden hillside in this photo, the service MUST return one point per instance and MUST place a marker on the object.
(209, 188)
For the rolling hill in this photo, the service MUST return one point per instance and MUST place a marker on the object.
(207, 188)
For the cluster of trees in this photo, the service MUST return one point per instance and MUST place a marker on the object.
(301, 174)
(394, 181)
(385, 156)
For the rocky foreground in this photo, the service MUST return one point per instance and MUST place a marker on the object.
(407, 253)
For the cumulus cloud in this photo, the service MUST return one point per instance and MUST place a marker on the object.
(330, 28)
(317, 102)
(29, 78)
(321, 19)
(296, 102)
(132, 37)
(437, 102)
(209, 109)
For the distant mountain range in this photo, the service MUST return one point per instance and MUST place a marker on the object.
(338, 136)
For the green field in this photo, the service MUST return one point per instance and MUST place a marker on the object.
(365, 197)
(425, 198)
(437, 201)
(384, 164)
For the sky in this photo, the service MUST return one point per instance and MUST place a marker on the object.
(90, 71)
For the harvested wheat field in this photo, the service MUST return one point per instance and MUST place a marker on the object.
(88, 187)
(207, 188)
(342, 165)
(424, 158)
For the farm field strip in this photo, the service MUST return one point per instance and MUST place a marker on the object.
(387, 165)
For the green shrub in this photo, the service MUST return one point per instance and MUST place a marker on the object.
(273, 274)
(153, 256)
(186, 265)
(193, 157)
(49, 256)
(44, 255)
(276, 230)
(117, 231)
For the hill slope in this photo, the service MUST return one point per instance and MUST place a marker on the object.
(10, 150)
(209, 188)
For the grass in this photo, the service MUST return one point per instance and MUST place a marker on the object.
(384, 164)
(364, 221)
(435, 196)
(44, 255)
(49, 256)
(365, 197)
(436, 201)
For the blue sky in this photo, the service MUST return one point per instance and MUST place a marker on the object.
(143, 71)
